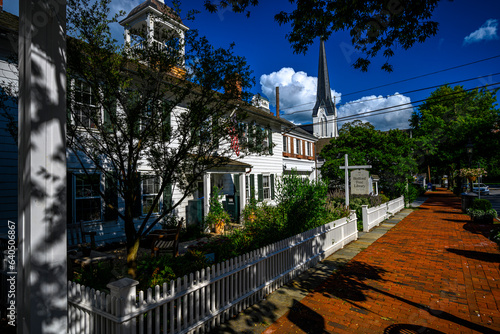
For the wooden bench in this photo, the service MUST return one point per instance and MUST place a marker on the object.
(77, 236)
(166, 240)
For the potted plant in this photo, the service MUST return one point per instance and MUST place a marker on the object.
(481, 212)
(472, 174)
(217, 217)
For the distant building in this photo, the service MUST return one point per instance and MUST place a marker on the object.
(324, 114)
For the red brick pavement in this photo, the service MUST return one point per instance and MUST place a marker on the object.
(434, 272)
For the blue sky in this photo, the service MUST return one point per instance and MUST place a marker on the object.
(468, 32)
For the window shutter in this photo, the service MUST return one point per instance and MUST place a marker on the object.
(260, 187)
(69, 197)
(252, 186)
(167, 197)
(137, 209)
(272, 186)
(270, 140)
(166, 127)
(111, 197)
(236, 184)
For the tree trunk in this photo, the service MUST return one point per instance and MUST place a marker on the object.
(132, 251)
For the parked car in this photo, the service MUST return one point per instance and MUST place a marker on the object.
(483, 188)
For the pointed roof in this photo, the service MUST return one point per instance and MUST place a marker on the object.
(323, 95)
(155, 5)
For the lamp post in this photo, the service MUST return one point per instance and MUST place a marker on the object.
(469, 149)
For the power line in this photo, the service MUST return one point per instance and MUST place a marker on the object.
(404, 80)
(407, 92)
(381, 111)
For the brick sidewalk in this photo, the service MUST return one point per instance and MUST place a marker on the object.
(434, 272)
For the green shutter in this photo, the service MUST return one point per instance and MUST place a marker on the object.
(270, 140)
(167, 197)
(260, 188)
(236, 184)
(272, 186)
(166, 129)
(252, 186)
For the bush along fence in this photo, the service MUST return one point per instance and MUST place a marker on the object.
(374, 216)
(209, 297)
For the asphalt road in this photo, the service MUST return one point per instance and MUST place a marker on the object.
(494, 198)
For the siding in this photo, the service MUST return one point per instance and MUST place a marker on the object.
(8, 148)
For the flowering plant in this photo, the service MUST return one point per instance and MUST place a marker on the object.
(472, 172)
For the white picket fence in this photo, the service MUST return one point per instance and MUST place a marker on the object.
(374, 216)
(203, 300)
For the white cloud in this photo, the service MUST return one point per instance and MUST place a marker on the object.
(488, 31)
(391, 119)
(297, 93)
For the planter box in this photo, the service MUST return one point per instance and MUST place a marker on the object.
(482, 220)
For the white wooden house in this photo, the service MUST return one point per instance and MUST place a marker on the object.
(239, 179)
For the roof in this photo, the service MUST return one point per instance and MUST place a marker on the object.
(8, 22)
(323, 95)
(159, 6)
(321, 143)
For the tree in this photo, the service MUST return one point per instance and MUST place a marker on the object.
(157, 115)
(448, 120)
(374, 26)
(390, 154)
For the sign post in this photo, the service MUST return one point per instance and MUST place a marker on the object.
(347, 167)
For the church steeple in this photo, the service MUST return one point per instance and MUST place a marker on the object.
(324, 111)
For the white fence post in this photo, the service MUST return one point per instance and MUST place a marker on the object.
(364, 215)
(125, 290)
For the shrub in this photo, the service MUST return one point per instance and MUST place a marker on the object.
(481, 204)
(154, 271)
(303, 203)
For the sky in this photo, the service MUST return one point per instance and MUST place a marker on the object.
(468, 32)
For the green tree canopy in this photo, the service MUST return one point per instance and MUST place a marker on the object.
(448, 120)
(374, 25)
(390, 154)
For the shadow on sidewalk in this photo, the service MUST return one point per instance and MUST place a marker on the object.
(306, 319)
(348, 284)
(481, 256)
(407, 328)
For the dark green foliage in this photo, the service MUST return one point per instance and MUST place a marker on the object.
(391, 155)
(445, 123)
(413, 191)
(302, 203)
(481, 204)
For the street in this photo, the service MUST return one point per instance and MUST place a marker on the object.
(494, 198)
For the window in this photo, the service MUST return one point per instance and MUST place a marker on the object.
(266, 186)
(87, 198)
(298, 147)
(150, 189)
(308, 149)
(87, 113)
(285, 144)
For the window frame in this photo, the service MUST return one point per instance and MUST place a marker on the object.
(268, 187)
(146, 195)
(77, 198)
(77, 88)
(298, 146)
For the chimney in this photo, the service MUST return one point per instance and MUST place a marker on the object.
(278, 101)
(1, 5)
(233, 85)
